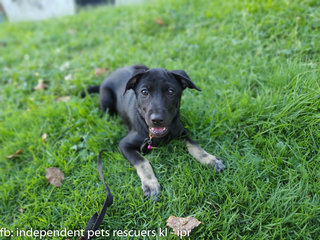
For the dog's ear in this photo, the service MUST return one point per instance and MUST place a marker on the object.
(133, 81)
(184, 79)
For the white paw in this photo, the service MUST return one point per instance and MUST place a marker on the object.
(151, 188)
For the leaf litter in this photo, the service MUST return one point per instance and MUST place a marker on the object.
(40, 86)
(55, 176)
(100, 72)
(14, 154)
(182, 226)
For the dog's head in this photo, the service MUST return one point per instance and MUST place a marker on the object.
(158, 93)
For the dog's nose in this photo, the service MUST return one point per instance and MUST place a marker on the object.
(156, 119)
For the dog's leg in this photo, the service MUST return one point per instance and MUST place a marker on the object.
(203, 157)
(129, 147)
(107, 100)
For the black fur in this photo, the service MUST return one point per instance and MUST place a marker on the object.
(148, 100)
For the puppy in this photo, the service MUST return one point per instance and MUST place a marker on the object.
(148, 100)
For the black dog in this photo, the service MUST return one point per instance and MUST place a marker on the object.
(148, 101)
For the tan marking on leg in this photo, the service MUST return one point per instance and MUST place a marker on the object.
(204, 157)
(201, 155)
(150, 185)
(145, 171)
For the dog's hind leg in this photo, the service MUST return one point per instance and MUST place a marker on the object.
(107, 100)
(203, 157)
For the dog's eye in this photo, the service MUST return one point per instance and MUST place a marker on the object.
(144, 92)
(170, 91)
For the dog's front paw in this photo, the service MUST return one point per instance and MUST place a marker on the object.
(203, 157)
(218, 163)
(151, 188)
(214, 162)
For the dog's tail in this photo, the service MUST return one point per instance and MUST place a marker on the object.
(92, 89)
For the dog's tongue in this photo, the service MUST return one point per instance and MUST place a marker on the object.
(158, 129)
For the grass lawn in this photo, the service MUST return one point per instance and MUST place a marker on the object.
(257, 63)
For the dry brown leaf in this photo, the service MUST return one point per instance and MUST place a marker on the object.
(71, 31)
(20, 209)
(14, 154)
(99, 72)
(63, 99)
(54, 176)
(40, 86)
(3, 44)
(64, 66)
(182, 226)
(68, 77)
(160, 21)
(44, 137)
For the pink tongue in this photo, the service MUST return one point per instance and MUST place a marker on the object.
(158, 129)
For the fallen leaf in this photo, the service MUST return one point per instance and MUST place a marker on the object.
(71, 31)
(68, 77)
(14, 154)
(63, 99)
(182, 226)
(54, 176)
(3, 44)
(40, 86)
(20, 209)
(44, 137)
(160, 21)
(64, 66)
(99, 72)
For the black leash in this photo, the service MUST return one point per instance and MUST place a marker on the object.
(96, 219)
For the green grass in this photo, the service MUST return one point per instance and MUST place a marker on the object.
(257, 63)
